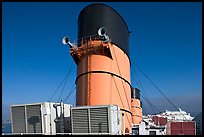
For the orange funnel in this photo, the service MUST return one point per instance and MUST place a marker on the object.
(136, 108)
(103, 65)
(102, 79)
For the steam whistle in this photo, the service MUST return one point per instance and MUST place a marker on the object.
(102, 33)
(66, 41)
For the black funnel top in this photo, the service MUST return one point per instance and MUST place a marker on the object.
(135, 93)
(95, 16)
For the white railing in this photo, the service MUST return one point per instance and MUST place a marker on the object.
(23, 134)
(59, 134)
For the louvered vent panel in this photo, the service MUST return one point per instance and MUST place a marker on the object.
(34, 120)
(80, 121)
(18, 119)
(99, 120)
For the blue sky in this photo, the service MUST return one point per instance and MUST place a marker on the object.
(165, 42)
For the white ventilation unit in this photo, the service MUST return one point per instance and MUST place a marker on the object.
(95, 120)
(40, 118)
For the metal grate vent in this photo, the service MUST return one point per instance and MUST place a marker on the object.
(80, 121)
(34, 121)
(18, 119)
(90, 120)
(26, 119)
(99, 120)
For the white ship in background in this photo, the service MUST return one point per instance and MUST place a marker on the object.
(161, 124)
(177, 116)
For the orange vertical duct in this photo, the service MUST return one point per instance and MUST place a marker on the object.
(136, 108)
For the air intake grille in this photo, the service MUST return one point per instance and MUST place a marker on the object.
(99, 120)
(26, 119)
(80, 121)
(90, 120)
(34, 120)
(18, 119)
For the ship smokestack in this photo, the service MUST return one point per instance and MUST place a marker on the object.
(102, 58)
(136, 106)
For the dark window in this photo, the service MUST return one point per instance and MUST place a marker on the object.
(152, 132)
(135, 131)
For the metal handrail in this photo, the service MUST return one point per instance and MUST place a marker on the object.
(60, 134)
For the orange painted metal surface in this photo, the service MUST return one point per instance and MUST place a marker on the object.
(108, 87)
(136, 111)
